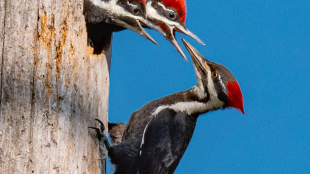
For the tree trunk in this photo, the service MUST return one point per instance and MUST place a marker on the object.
(52, 88)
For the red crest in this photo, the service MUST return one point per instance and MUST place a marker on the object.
(235, 98)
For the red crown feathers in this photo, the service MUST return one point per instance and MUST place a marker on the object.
(179, 6)
(235, 98)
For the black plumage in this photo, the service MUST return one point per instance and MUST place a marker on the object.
(105, 17)
(116, 131)
(158, 134)
(165, 139)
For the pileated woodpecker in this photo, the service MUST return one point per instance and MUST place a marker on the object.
(158, 134)
(106, 16)
(170, 16)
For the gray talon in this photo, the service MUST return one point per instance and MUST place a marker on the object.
(103, 139)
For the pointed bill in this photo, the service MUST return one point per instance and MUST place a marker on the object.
(143, 33)
(198, 59)
(185, 31)
(134, 25)
(170, 36)
(195, 57)
(176, 45)
(234, 93)
(193, 51)
(148, 24)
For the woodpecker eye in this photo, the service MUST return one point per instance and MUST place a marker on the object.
(136, 10)
(214, 74)
(172, 15)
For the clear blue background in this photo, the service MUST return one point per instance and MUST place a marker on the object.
(266, 44)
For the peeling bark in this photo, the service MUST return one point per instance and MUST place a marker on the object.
(52, 88)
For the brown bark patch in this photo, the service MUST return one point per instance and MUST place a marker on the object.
(48, 89)
(71, 53)
(67, 81)
(45, 37)
(59, 48)
(47, 33)
(90, 51)
(75, 71)
(57, 125)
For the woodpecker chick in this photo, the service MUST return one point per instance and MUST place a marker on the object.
(170, 16)
(117, 15)
(158, 134)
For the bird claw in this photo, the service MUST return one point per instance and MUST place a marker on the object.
(103, 139)
(102, 127)
(100, 130)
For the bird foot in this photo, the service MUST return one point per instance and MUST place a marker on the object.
(103, 139)
(100, 130)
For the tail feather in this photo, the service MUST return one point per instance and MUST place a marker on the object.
(116, 131)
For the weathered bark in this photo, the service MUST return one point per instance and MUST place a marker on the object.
(52, 88)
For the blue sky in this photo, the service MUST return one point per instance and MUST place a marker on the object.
(266, 45)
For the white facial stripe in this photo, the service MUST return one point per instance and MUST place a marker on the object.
(214, 100)
(115, 9)
(211, 88)
(131, 4)
(151, 13)
(102, 4)
(221, 81)
(164, 7)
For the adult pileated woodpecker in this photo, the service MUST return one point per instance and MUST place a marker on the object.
(158, 134)
(170, 16)
(106, 16)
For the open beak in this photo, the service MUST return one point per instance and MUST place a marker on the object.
(148, 24)
(135, 25)
(170, 36)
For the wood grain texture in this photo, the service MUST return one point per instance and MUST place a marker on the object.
(2, 17)
(52, 89)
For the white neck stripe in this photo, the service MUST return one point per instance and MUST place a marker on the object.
(185, 107)
(191, 107)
